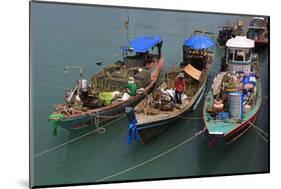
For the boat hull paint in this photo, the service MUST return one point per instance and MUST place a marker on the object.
(260, 45)
(240, 130)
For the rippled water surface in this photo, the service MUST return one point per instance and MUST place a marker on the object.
(71, 35)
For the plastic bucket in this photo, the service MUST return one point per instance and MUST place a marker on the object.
(235, 105)
(106, 97)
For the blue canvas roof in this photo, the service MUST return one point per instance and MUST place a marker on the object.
(199, 42)
(144, 43)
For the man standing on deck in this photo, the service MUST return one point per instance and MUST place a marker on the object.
(180, 87)
(131, 87)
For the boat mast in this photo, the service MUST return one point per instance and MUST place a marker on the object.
(127, 26)
(80, 67)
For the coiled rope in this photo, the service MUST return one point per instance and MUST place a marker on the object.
(155, 157)
(99, 129)
(97, 116)
(75, 139)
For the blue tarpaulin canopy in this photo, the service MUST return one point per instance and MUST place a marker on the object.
(199, 42)
(143, 43)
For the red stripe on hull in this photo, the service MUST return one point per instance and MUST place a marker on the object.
(261, 43)
(241, 128)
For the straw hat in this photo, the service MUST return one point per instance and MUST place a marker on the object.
(131, 80)
(181, 75)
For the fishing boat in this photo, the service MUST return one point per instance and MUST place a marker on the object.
(232, 104)
(225, 33)
(157, 111)
(228, 31)
(106, 96)
(258, 32)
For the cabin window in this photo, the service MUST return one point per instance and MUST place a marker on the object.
(239, 54)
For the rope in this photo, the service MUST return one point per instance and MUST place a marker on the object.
(260, 135)
(73, 140)
(155, 157)
(190, 118)
(100, 130)
(238, 136)
(257, 129)
(262, 131)
(112, 116)
(104, 59)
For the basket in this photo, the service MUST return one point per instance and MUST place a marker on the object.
(105, 98)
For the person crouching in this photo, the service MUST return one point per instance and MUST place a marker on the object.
(131, 87)
(179, 87)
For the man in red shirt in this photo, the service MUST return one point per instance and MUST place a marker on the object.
(180, 87)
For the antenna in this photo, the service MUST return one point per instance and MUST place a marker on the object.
(80, 67)
(127, 25)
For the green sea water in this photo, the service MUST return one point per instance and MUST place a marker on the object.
(73, 35)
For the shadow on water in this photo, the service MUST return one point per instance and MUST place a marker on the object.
(212, 158)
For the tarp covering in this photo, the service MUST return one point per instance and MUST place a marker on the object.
(193, 72)
(144, 43)
(198, 42)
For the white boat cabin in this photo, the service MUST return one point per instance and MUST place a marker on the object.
(239, 52)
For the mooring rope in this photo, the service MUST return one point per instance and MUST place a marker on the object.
(155, 157)
(259, 131)
(262, 131)
(100, 130)
(190, 118)
(75, 139)
(262, 137)
(104, 59)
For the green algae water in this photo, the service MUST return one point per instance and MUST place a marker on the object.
(72, 35)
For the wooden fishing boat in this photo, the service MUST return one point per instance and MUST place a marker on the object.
(228, 31)
(258, 31)
(232, 104)
(143, 66)
(154, 114)
(225, 34)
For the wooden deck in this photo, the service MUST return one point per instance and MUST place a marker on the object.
(163, 115)
(142, 118)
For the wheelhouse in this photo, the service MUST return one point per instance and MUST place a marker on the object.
(138, 51)
(239, 54)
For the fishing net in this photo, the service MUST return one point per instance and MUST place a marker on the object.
(115, 77)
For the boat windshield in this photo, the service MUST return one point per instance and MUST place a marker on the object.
(239, 55)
